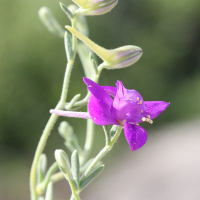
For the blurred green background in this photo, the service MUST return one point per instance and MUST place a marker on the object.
(32, 64)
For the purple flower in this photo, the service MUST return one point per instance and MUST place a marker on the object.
(126, 108)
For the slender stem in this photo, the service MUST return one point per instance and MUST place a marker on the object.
(73, 189)
(88, 142)
(85, 99)
(56, 177)
(72, 198)
(90, 125)
(102, 153)
(107, 135)
(74, 39)
(52, 120)
(39, 151)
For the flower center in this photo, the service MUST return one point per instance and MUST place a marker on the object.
(144, 119)
(121, 122)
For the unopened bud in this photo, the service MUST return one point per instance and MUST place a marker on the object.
(65, 130)
(95, 7)
(115, 58)
(62, 160)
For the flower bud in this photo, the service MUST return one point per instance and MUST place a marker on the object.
(95, 7)
(114, 58)
(65, 130)
(62, 160)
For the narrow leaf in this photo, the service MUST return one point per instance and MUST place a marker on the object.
(86, 165)
(73, 101)
(43, 185)
(49, 192)
(68, 45)
(41, 168)
(113, 130)
(83, 52)
(75, 167)
(66, 10)
(48, 19)
(91, 176)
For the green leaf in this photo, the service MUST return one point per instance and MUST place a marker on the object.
(85, 182)
(43, 185)
(86, 165)
(68, 45)
(48, 19)
(113, 130)
(49, 192)
(75, 167)
(66, 10)
(88, 66)
(41, 168)
(73, 101)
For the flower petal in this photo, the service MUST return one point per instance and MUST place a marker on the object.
(100, 112)
(98, 91)
(135, 135)
(110, 90)
(127, 104)
(126, 110)
(127, 94)
(154, 108)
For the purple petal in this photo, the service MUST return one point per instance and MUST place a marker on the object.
(127, 104)
(154, 108)
(100, 112)
(98, 91)
(110, 90)
(126, 110)
(135, 135)
(124, 93)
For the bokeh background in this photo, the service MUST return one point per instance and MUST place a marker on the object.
(32, 64)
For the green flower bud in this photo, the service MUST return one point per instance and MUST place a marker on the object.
(65, 130)
(95, 7)
(62, 160)
(114, 58)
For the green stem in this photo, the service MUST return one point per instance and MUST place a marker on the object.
(89, 141)
(102, 153)
(56, 177)
(107, 135)
(84, 101)
(74, 39)
(73, 189)
(90, 125)
(52, 120)
(72, 198)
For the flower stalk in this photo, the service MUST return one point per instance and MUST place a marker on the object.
(52, 120)
(107, 105)
(102, 153)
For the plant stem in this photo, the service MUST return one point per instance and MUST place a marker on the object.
(85, 99)
(88, 142)
(102, 153)
(56, 177)
(107, 135)
(90, 125)
(52, 120)
(73, 189)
